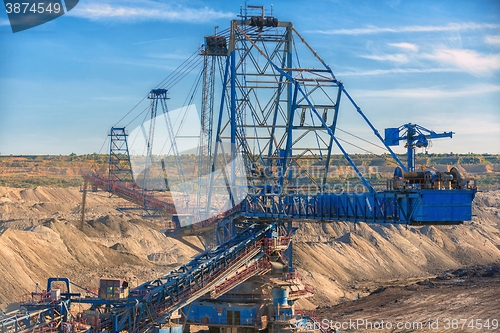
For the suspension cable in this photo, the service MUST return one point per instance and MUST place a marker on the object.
(181, 72)
(138, 115)
(357, 137)
(175, 71)
(103, 144)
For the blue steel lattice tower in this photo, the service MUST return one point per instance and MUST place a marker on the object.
(120, 169)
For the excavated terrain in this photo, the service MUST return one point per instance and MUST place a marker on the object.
(360, 271)
(460, 300)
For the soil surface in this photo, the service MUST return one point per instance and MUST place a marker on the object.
(463, 300)
(394, 272)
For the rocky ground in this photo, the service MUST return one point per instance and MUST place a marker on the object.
(341, 259)
(349, 264)
(462, 300)
(41, 236)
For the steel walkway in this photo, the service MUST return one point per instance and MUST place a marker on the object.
(396, 206)
(212, 272)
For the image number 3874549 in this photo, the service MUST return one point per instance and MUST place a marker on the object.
(26, 14)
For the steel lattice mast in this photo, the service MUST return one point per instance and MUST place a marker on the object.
(276, 111)
(215, 48)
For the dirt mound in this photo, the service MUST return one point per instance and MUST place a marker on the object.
(340, 259)
(41, 236)
(119, 247)
(425, 305)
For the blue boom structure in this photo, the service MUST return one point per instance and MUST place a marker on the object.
(270, 145)
(415, 136)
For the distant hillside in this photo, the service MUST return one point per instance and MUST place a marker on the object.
(48, 170)
(65, 170)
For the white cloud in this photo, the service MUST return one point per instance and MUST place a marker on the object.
(486, 124)
(4, 22)
(398, 71)
(405, 46)
(438, 60)
(399, 58)
(146, 10)
(153, 41)
(493, 40)
(427, 93)
(412, 28)
(467, 60)
(172, 56)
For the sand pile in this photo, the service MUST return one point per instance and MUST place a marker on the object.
(41, 236)
(340, 258)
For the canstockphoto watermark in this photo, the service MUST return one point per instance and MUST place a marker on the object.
(26, 14)
(360, 324)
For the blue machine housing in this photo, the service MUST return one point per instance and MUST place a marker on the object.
(407, 206)
(225, 314)
(443, 206)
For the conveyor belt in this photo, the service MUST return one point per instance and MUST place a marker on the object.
(212, 271)
(409, 207)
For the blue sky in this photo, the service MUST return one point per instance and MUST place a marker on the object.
(436, 63)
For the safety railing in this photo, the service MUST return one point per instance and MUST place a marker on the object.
(257, 267)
